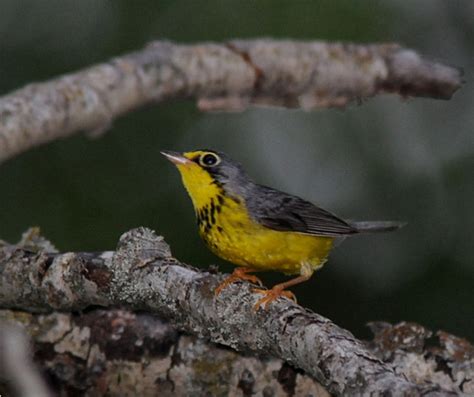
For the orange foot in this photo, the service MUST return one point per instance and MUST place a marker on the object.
(272, 294)
(239, 274)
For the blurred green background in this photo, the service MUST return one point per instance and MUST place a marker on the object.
(389, 158)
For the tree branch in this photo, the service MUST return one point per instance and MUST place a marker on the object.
(142, 275)
(228, 76)
(117, 352)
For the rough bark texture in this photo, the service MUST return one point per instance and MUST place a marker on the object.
(439, 358)
(226, 76)
(120, 353)
(142, 275)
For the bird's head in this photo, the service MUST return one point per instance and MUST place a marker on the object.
(207, 173)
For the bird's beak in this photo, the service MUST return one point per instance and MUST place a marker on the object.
(175, 157)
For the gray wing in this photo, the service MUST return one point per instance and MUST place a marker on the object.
(284, 212)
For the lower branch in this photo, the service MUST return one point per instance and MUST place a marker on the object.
(142, 275)
(118, 353)
(115, 352)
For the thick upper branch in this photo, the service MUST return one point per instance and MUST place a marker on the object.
(227, 76)
(142, 275)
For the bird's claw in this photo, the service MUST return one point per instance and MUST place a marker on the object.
(253, 279)
(271, 295)
(229, 280)
(237, 276)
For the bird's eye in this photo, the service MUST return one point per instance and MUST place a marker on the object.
(209, 160)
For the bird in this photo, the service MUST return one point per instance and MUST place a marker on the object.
(259, 228)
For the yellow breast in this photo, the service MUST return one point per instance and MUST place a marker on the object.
(231, 234)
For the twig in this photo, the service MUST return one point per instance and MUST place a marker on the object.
(142, 275)
(226, 76)
(16, 367)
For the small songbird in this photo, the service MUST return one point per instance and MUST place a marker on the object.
(259, 228)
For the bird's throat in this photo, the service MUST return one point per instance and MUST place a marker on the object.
(201, 186)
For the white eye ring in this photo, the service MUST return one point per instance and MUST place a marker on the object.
(209, 160)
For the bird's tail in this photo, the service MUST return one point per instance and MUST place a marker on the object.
(376, 226)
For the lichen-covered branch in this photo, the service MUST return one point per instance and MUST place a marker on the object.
(142, 275)
(439, 358)
(117, 353)
(220, 76)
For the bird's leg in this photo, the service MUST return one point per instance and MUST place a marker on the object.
(277, 291)
(239, 274)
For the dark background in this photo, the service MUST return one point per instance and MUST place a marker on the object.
(388, 158)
